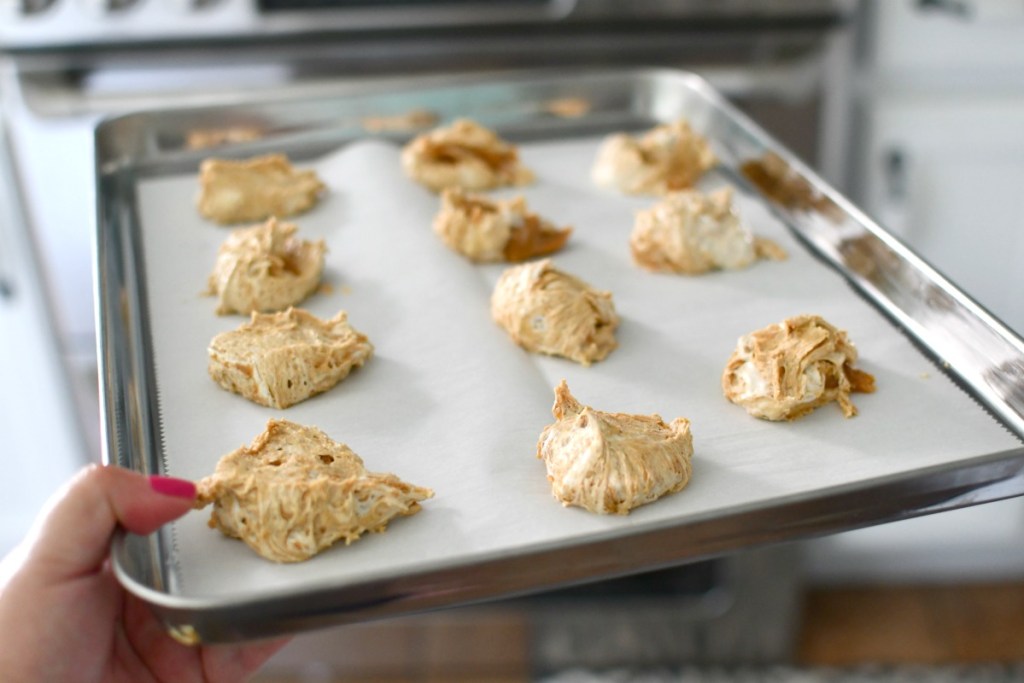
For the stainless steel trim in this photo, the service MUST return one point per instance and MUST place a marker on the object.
(968, 343)
(91, 23)
(751, 59)
(106, 23)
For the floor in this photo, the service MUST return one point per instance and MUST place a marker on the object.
(850, 626)
(914, 624)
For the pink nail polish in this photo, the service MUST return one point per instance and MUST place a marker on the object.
(170, 486)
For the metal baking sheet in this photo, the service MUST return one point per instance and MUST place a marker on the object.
(449, 402)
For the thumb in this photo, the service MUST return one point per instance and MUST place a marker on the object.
(73, 537)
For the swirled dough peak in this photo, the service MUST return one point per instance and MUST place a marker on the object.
(294, 491)
(265, 268)
(466, 155)
(666, 158)
(545, 310)
(255, 189)
(692, 233)
(280, 359)
(788, 369)
(490, 231)
(613, 462)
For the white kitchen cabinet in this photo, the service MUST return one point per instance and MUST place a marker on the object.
(946, 42)
(941, 138)
(947, 176)
(940, 162)
(43, 445)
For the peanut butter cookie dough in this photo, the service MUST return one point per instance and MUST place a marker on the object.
(265, 268)
(280, 359)
(666, 158)
(206, 138)
(410, 120)
(613, 462)
(255, 189)
(692, 233)
(548, 311)
(490, 231)
(788, 369)
(294, 492)
(466, 155)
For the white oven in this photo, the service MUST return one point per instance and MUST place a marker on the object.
(67, 63)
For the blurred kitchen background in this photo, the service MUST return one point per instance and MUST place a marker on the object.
(914, 108)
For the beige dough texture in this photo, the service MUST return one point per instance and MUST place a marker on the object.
(406, 121)
(788, 369)
(255, 189)
(691, 233)
(464, 154)
(666, 158)
(280, 359)
(206, 138)
(265, 268)
(490, 231)
(610, 463)
(294, 492)
(548, 311)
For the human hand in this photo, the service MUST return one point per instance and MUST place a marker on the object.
(65, 617)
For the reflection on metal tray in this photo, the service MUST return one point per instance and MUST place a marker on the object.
(977, 351)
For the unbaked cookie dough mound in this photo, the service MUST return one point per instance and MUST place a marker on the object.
(255, 189)
(294, 492)
(692, 233)
(788, 369)
(265, 268)
(613, 462)
(464, 154)
(280, 359)
(488, 231)
(666, 158)
(548, 311)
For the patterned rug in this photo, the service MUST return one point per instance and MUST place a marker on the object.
(978, 673)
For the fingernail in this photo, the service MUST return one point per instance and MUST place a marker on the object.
(170, 486)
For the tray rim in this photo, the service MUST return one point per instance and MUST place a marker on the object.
(131, 439)
(994, 477)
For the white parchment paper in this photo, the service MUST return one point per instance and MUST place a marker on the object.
(449, 402)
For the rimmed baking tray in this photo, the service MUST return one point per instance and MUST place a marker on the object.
(449, 402)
